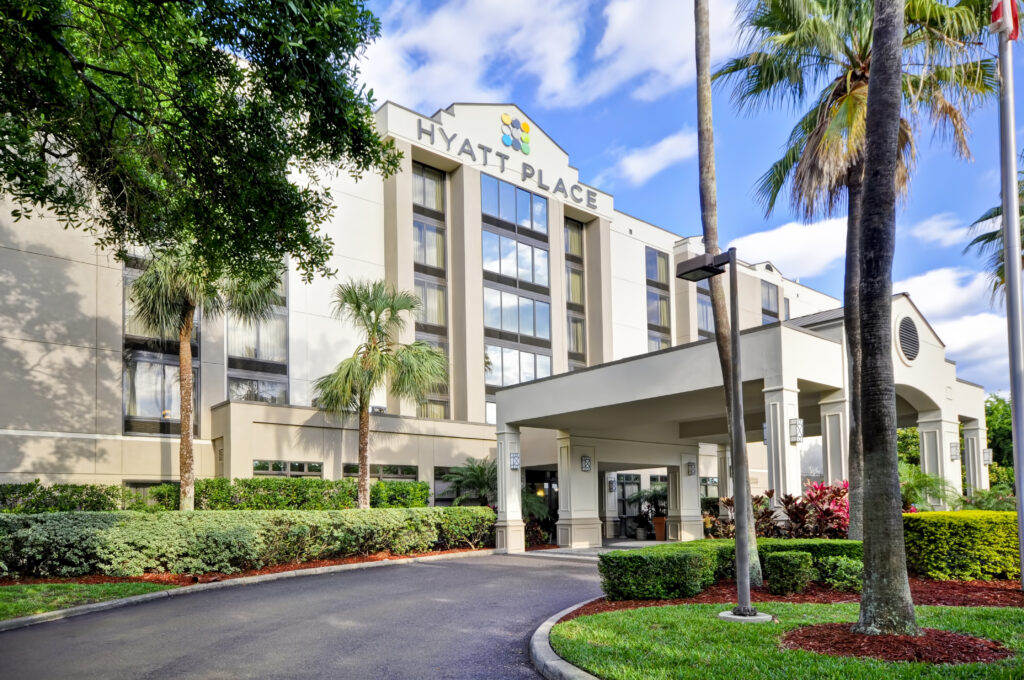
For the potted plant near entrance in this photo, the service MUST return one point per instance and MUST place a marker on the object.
(653, 508)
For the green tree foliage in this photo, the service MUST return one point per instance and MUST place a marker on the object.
(208, 122)
(999, 422)
(408, 371)
(919, 490)
(477, 480)
(908, 445)
(990, 242)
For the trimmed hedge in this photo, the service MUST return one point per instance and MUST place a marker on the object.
(34, 497)
(788, 571)
(963, 545)
(842, 573)
(132, 543)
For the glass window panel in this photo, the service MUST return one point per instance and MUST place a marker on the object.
(526, 316)
(274, 338)
(656, 341)
(574, 239)
(172, 393)
(525, 262)
(277, 466)
(577, 335)
(770, 297)
(435, 409)
(705, 315)
(657, 266)
(543, 366)
(433, 189)
(491, 252)
(523, 209)
(527, 370)
(315, 467)
(657, 308)
(540, 267)
(510, 312)
(543, 322)
(507, 202)
(489, 195)
(417, 185)
(242, 389)
(145, 389)
(492, 308)
(491, 413)
(574, 286)
(509, 258)
(433, 305)
(260, 466)
(418, 249)
(492, 365)
(429, 244)
(243, 338)
(509, 366)
(540, 214)
(296, 467)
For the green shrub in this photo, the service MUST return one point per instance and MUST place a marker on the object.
(819, 548)
(655, 575)
(34, 497)
(842, 573)
(131, 543)
(399, 494)
(788, 571)
(962, 545)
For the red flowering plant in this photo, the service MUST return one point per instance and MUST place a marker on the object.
(823, 511)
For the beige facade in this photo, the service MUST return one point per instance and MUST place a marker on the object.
(580, 283)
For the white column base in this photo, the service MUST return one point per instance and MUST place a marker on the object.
(584, 532)
(510, 536)
(683, 528)
(611, 527)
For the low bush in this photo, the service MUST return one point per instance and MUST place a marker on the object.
(842, 573)
(962, 545)
(34, 497)
(130, 543)
(818, 548)
(399, 494)
(788, 571)
(656, 575)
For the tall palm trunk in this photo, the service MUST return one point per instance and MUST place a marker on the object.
(709, 222)
(364, 456)
(886, 605)
(855, 354)
(186, 463)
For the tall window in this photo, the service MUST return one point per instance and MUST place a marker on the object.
(769, 302)
(152, 401)
(785, 304)
(509, 203)
(659, 334)
(430, 274)
(575, 295)
(705, 315)
(258, 355)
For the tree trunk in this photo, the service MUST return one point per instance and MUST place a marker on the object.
(186, 466)
(886, 606)
(851, 322)
(709, 222)
(364, 456)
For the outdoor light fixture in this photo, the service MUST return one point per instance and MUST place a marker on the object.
(954, 450)
(585, 463)
(764, 433)
(986, 456)
(796, 430)
(513, 460)
(702, 267)
(691, 469)
(612, 485)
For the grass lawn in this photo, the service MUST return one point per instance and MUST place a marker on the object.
(44, 597)
(688, 641)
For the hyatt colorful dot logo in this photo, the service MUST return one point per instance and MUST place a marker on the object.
(515, 133)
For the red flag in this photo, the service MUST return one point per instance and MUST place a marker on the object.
(1001, 23)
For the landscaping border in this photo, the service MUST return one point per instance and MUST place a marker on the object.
(58, 614)
(546, 660)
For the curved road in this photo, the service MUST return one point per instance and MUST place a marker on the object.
(463, 618)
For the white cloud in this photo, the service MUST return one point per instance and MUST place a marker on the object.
(476, 50)
(945, 229)
(799, 250)
(636, 166)
(947, 292)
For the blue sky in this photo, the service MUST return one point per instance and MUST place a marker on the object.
(612, 83)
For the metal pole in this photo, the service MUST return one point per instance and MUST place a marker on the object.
(1011, 261)
(740, 478)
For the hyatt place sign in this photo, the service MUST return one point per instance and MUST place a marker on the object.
(491, 158)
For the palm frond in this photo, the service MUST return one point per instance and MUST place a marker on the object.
(340, 390)
(417, 369)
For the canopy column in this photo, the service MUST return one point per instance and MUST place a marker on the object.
(509, 532)
(835, 440)
(975, 441)
(781, 407)
(684, 521)
(579, 525)
(940, 449)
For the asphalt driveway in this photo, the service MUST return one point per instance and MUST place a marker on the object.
(464, 618)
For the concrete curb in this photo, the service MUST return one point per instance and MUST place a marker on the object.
(25, 621)
(546, 660)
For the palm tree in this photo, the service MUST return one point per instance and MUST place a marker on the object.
(886, 607)
(408, 370)
(991, 242)
(796, 46)
(165, 299)
(709, 224)
(477, 480)
(917, 488)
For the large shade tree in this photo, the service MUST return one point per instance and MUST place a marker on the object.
(164, 301)
(819, 54)
(206, 122)
(380, 361)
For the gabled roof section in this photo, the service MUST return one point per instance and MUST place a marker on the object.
(832, 316)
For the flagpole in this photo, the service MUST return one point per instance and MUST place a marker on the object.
(1011, 256)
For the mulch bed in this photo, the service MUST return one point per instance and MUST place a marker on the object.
(924, 592)
(934, 646)
(190, 579)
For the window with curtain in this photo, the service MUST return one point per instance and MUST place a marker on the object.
(428, 246)
(769, 302)
(657, 266)
(573, 238)
(433, 303)
(705, 314)
(266, 340)
(258, 355)
(574, 285)
(656, 341)
(577, 335)
(152, 397)
(657, 309)
(427, 187)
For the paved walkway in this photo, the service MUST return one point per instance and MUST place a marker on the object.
(590, 554)
(465, 618)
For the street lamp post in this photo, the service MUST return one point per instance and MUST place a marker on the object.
(697, 269)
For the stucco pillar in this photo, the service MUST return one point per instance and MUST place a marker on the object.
(398, 251)
(510, 531)
(597, 273)
(975, 440)
(466, 282)
(780, 406)
(939, 435)
(684, 521)
(724, 472)
(609, 491)
(835, 438)
(578, 523)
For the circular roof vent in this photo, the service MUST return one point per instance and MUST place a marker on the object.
(910, 342)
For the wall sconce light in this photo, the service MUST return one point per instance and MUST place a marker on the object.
(986, 456)
(954, 450)
(585, 463)
(764, 433)
(513, 460)
(796, 430)
(691, 469)
(612, 485)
